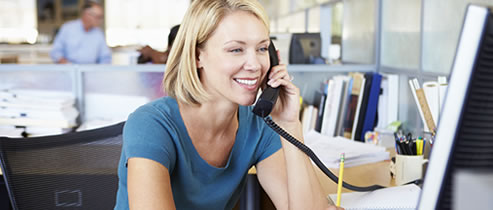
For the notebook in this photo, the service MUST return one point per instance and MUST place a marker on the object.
(401, 198)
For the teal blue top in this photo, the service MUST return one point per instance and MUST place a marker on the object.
(156, 131)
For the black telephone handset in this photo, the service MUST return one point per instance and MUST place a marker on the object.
(263, 108)
(268, 98)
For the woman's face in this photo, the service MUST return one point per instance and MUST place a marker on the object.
(235, 59)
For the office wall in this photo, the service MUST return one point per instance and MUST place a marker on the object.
(358, 31)
(419, 40)
(441, 27)
(400, 34)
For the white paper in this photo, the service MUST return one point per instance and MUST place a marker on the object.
(401, 197)
(329, 149)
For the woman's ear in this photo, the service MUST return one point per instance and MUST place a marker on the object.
(197, 59)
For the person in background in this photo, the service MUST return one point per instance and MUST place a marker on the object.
(151, 55)
(193, 149)
(81, 41)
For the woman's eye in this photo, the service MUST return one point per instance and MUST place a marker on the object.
(236, 50)
(264, 49)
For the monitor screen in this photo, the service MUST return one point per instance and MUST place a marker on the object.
(305, 48)
(464, 136)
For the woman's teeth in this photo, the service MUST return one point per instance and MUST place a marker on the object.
(246, 82)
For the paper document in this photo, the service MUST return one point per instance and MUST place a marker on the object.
(401, 197)
(329, 149)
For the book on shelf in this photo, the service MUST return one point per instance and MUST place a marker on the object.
(358, 81)
(309, 118)
(333, 105)
(306, 116)
(345, 97)
(348, 105)
(361, 108)
(320, 103)
(388, 102)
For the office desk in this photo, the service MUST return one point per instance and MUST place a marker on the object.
(363, 175)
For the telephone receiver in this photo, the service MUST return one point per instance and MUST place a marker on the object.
(263, 108)
(268, 98)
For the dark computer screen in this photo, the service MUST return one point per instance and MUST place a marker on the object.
(464, 137)
(305, 48)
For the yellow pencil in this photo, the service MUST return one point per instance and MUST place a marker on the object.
(339, 184)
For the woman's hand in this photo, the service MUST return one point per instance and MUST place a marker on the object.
(287, 108)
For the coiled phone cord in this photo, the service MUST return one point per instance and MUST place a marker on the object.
(315, 159)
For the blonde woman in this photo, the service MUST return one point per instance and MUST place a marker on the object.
(193, 149)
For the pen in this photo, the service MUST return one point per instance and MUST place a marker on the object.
(424, 146)
(339, 184)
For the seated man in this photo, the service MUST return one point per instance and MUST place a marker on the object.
(81, 41)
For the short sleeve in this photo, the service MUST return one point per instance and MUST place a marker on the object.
(145, 135)
(269, 144)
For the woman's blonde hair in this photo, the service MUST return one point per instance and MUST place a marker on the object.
(181, 79)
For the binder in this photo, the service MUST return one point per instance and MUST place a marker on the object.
(372, 105)
(320, 102)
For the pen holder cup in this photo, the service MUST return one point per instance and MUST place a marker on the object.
(407, 168)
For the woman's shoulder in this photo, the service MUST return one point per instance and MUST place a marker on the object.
(159, 109)
(161, 105)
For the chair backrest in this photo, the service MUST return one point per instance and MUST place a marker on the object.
(75, 170)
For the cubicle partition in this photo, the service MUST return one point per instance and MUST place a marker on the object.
(108, 93)
(104, 93)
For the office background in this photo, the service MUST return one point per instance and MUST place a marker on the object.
(412, 38)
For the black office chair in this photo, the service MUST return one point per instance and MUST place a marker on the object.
(69, 171)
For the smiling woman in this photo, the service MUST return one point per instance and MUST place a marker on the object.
(235, 59)
(193, 149)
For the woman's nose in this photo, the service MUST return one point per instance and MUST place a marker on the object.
(253, 62)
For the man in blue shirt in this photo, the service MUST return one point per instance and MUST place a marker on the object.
(81, 41)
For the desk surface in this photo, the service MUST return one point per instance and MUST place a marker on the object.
(363, 175)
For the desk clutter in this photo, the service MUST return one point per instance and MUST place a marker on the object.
(357, 103)
(29, 112)
(429, 100)
(328, 150)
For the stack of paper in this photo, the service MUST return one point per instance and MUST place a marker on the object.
(39, 112)
(329, 149)
(402, 197)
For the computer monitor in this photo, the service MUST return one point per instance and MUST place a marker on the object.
(305, 48)
(464, 137)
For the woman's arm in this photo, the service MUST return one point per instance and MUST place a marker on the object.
(303, 186)
(289, 179)
(148, 185)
